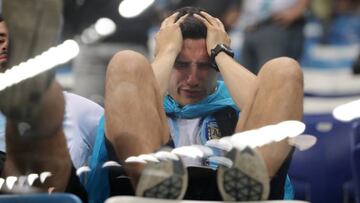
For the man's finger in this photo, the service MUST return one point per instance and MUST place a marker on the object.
(212, 20)
(181, 19)
(169, 20)
(220, 23)
(205, 21)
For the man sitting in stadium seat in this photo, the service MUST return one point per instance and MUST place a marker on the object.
(145, 103)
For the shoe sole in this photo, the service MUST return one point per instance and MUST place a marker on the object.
(164, 180)
(246, 180)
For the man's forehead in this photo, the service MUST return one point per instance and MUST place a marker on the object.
(194, 42)
(188, 60)
(183, 56)
(194, 49)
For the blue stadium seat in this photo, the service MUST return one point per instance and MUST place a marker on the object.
(355, 162)
(320, 173)
(40, 198)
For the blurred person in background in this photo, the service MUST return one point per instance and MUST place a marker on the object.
(79, 116)
(356, 66)
(272, 28)
(4, 38)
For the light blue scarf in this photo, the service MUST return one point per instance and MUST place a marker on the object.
(212, 103)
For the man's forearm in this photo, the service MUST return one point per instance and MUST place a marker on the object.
(162, 66)
(240, 82)
(301, 6)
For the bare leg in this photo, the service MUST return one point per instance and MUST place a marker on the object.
(44, 148)
(279, 97)
(135, 120)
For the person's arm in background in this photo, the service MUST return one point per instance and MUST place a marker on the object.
(288, 16)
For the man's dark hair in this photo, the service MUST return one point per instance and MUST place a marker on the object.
(1, 19)
(191, 27)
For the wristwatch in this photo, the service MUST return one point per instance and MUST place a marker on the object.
(215, 51)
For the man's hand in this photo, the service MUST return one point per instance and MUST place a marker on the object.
(216, 33)
(168, 44)
(169, 38)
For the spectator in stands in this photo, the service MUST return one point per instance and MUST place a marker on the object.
(4, 38)
(272, 29)
(356, 66)
(80, 117)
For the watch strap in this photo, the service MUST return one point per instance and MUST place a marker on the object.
(216, 50)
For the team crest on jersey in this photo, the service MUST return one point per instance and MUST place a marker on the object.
(213, 131)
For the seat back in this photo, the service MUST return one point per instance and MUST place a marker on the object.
(40, 198)
(355, 158)
(319, 174)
